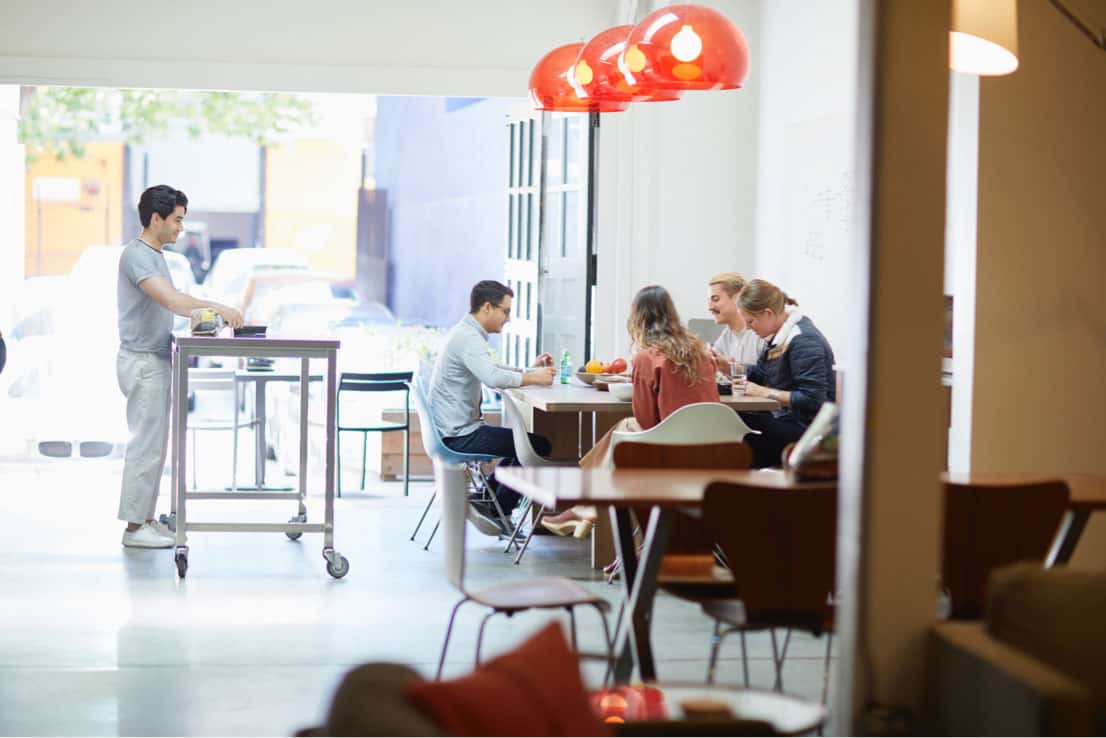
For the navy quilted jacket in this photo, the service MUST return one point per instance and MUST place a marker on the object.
(803, 365)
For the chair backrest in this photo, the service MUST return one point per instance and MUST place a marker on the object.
(782, 547)
(452, 488)
(524, 450)
(991, 525)
(428, 430)
(204, 379)
(728, 455)
(699, 422)
(374, 382)
(687, 535)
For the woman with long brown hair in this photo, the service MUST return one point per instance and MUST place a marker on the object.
(671, 368)
(795, 369)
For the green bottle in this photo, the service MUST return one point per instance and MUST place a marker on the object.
(566, 367)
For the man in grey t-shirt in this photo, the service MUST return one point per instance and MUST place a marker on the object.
(736, 342)
(147, 303)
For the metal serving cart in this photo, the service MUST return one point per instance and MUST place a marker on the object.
(183, 349)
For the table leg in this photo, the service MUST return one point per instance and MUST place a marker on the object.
(1071, 530)
(180, 447)
(639, 577)
(259, 434)
(304, 425)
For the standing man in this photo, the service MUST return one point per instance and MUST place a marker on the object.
(147, 303)
(736, 341)
(465, 364)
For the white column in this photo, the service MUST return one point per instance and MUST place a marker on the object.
(12, 177)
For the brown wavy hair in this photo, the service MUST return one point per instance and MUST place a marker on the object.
(654, 323)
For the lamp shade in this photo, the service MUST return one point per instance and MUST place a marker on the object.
(553, 85)
(685, 47)
(597, 73)
(984, 36)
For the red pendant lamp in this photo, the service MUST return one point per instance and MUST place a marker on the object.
(685, 47)
(553, 85)
(596, 71)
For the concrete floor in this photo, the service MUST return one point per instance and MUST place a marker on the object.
(102, 640)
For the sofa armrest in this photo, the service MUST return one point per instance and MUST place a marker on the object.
(978, 685)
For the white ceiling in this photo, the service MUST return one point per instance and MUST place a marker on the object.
(441, 47)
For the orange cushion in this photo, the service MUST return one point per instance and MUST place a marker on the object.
(534, 689)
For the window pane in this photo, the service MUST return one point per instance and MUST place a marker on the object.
(576, 165)
(533, 155)
(524, 153)
(554, 163)
(531, 230)
(553, 238)
(573, 219)
(511, 217)
(523, 248)
(513, 145)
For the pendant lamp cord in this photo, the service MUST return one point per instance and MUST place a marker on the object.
(1098, 38)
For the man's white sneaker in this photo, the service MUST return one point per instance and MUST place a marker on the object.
(162, 529)
(146, 537)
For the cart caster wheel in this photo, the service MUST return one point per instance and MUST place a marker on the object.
(338, 566)
(297, 534)
(182, 564)
(169, 521)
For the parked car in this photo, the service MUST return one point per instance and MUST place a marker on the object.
(371, 340)
(61, 382)
(226, 282)
(267, 289)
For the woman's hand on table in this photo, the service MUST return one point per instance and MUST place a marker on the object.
(752, 389)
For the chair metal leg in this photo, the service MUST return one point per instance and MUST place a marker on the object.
(480, 636)
(715, 646)
(407, 459)
(744, 658)
(425, 510)
(526, 543)
(431, 538)
(826, 667)
(448, 631)
(364, 456)
(572, 626)
(780, 658)
(608, 642)
(526, 503)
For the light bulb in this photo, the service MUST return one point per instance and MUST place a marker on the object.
(686, 45)
(584, 75)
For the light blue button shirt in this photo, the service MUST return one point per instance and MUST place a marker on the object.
(466, 362)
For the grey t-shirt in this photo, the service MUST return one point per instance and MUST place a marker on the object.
(144, 325)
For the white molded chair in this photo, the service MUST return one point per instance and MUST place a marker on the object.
(510, 597)
(701, 422)
(527, 456)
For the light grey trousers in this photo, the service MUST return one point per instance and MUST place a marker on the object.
(145, 381)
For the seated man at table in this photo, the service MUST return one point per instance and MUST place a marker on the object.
(466, 363)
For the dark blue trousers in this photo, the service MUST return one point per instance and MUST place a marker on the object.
(497, 441)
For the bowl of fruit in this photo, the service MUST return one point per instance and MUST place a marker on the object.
(595, 372)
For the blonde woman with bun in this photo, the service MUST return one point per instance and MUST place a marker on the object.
(795, 369)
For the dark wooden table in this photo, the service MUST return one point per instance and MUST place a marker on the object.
(666, 492)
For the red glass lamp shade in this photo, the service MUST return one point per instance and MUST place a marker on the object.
(553, 86)
(685, 47)
(597, 73)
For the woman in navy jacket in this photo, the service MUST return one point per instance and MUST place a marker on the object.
(795, 369)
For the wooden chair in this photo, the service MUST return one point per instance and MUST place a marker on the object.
(988, 525)
(781, 546)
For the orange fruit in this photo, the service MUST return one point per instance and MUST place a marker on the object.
(593, 367)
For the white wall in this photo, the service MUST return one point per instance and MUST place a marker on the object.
(677, 200)
(808, 72)
(422, 47)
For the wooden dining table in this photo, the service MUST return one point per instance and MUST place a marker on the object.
(665, 492)
(1088, 495)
